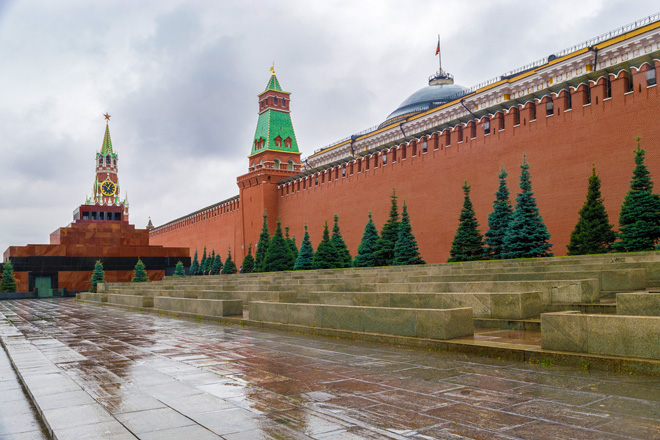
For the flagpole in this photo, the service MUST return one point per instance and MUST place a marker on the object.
(439, 55)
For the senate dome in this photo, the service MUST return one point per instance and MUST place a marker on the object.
(441, 89)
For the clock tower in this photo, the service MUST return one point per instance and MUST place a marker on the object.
(105, 204)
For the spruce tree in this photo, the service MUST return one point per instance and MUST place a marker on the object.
(229, 267)
(216, 268)
(279, 256)
(179, 270)
(406, 250)
(639, 220)
(593, 233)
(498, 220)
(527, 235)
(389, 235)
(194, 268)
(8, 283)
(326, 256)
(209, 263)
(98, 276)
(202, 264)
(366, 256)
(248, 261)
(140, 272)
(468, 242)
(291, 241)
(306, 253)
(262, 246)
(343, 254)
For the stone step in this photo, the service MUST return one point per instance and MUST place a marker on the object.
(562, 291)
(498, 305)
(605, 309)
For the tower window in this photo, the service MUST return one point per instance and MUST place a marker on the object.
(274, 100)
(290, 165)
(284, 102)
(287, 142)
(107, 160)
(276, 164)
(650, 78)
(278, 141)
(101, 161)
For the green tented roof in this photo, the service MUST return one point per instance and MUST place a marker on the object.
(106, 148)
(271, 124)
(274, 84)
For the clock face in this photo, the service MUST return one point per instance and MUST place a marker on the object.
(108, 188)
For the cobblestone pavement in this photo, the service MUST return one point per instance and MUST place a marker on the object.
(101, 372)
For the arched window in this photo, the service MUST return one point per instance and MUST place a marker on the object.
(290, 165)
(107, 160)
(101, 160)
(274, 100)
(287, 142)
(278, 141)
(276, 164)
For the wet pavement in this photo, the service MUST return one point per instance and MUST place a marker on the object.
(101, 372)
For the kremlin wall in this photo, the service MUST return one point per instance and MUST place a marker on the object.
(581, 106)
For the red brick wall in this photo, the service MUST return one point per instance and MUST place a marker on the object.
(559, 148)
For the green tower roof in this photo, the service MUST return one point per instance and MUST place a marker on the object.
(273, 124)
(274, 84)
(106, 148)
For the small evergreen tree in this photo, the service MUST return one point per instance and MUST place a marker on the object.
(8, 283)
(194, 268)
(140, 272)
(326, 256)
(291, 241)
(262, 246)
(98, 276)
(343, 254)
(639, 220)
(405, 249)
(389, 235)
(468, 242)
(366, 256)
(209, 263)
(248, 261)
(498, 220)
(279, 255)
(202, 264)
(593, 233)
(216, 268)
(306, 253)
(229, 267)
(179, 270)
(527, 235)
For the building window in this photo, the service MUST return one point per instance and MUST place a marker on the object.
(289, 165)
(486, 126)
(287, 142)
(276, 164)
(630, 82)
(650, 78)
(608, 88)
(278, 142)
(569, 100)
(549, 108)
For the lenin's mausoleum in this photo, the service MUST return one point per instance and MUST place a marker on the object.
(576, 108)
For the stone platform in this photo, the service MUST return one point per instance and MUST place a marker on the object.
(103, 372)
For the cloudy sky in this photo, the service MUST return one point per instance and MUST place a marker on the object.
(181, 78)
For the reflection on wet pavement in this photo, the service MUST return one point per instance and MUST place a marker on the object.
(159, 377)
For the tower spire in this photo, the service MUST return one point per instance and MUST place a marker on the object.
(106, 147)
